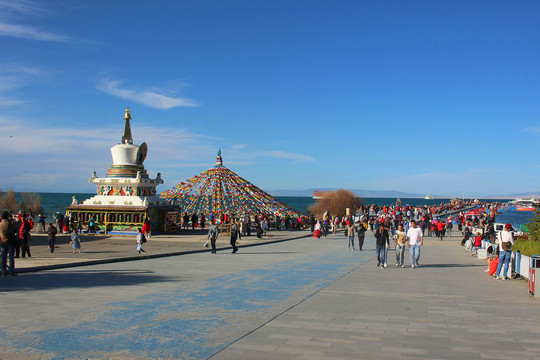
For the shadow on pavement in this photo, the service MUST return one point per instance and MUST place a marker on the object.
(449, 265)
(86, 279)
(268, 253)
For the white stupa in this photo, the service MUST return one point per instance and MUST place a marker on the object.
(126, 182)
(126, 195)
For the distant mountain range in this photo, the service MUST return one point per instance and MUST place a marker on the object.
(394, 194)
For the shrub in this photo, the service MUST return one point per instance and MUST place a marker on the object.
(8, 201)
(336, 202)
(30, 201)
(534, 226)
(527, 247)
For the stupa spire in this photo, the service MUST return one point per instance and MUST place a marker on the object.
(127, 138)
(219, 160)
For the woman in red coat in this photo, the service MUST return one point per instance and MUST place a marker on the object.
(146, 229)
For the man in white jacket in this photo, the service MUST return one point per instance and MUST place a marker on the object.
(415, 239)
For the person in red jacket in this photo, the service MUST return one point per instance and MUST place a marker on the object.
(441, 229)
(24, 237)
(477, 243)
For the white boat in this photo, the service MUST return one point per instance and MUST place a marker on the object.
(526, 204)
(429, 197)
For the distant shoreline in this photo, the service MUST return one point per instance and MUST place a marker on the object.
(300, 194)
(361, 196)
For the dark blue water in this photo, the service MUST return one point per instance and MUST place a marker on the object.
(516, 218)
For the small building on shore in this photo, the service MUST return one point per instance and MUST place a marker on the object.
(126, 196)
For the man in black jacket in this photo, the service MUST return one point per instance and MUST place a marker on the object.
(383, 242)
(361, 231)
(466, 236)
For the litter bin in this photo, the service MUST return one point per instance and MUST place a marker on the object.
(535, 264)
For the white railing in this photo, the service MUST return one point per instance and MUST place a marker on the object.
(524, 264)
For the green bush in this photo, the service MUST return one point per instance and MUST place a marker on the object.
(527, 247)
(534, 227)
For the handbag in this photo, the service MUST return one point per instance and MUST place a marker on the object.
(505, 245)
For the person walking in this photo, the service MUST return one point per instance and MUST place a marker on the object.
(324, 228)
(80, 223)
(65, 225)
(51, 235)
(75, 242)
(7, 245)
(213, 234)
(147, 228)
(349, 230)
(24, 237)
(383, 243)
(258, 230)
(194, 220)
(361, 231)
(312, 222)
(399, 241)
(41, 223)
(185, 221)
(203, 221)
(506, 241)
(441, 229)
(415, 239)
(234, 235)
(92, 225)
(449, 227)
(141, 239)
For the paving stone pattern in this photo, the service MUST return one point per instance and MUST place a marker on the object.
(298, 299)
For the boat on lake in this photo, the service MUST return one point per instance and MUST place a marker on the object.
(526, 204)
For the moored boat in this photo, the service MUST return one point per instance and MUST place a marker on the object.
(526, 204)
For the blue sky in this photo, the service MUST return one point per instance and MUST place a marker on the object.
(417, 96)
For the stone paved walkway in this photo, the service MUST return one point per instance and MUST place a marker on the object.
(449, 308)
(103, 248)
(300, 299)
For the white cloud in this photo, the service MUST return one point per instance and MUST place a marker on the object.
(298, 158)
(11, 15)
(45, 158)
(532, 130)
(26, 7)
(31, 33)
(152, 97)
(13, 76)
(16, 76)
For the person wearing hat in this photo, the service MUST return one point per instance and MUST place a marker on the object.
(7, 244)
(506, 241)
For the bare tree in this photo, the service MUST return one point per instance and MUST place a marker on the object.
(8, 201)
(336, 202)
(31, 201)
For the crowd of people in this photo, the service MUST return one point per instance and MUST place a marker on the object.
(405, 226)
(15, 236)
(394, 226)
(246, 223)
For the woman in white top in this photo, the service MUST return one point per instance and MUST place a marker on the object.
(506, 241)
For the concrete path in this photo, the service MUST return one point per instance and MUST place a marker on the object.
(97, 249)
(448, 308)
(305, 298)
